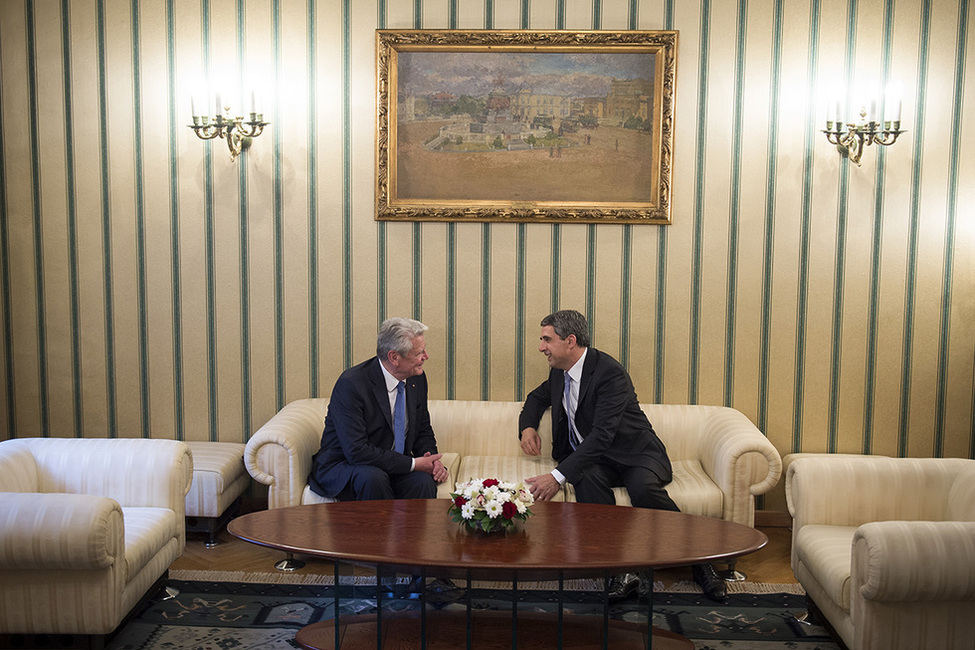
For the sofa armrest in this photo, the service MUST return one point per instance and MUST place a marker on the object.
(914, 561)
(740, 460)
(59, 531)
(279, 454)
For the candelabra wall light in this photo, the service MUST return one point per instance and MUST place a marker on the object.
(223, 124)
(851, 137)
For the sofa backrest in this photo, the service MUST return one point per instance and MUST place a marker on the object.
(961, 498)
(18, 471)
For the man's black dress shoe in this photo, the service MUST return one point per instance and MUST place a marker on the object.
(713, 586)
(623, 585)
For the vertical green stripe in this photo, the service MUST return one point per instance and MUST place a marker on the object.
(72, 225)
(663, 235)
(244, 252)
(488, 14)
(952, 200)
(312, 141)
(279, 360)
(915, 224)
(451, 309)
(174, 224)
(591, 278)
(839, 271)
(626, 270)
(802, 306)
(560, 14)
(208, 243)
(556, 266)
(485, 311)
(140, 222)
(597, 21)
(699, 180)
(734, 212)
(8, 347)
(521, 256)
(109, 307)
(347, 180)
(37, 216)
(876, 248)
(767, 259)
(417, 226)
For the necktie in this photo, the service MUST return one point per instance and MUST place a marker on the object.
(399, 418)
(569, 410)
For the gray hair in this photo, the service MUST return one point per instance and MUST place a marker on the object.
(396, 335)
(569, 321)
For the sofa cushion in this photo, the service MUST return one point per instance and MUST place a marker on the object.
(147, 530)
(219, 477)
(826, 551)
(505, 468)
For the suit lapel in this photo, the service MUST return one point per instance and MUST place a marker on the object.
(379, 391)
(588, 368)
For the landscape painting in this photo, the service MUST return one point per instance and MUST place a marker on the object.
(525, 125)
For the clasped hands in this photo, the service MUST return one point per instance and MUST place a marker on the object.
(430, 463)
(544, 486)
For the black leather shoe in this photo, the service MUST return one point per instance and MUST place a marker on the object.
(712, 585)
(623, 585)
(643, 590)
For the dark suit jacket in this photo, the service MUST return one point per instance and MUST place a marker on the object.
(608, 417)
(359, 428)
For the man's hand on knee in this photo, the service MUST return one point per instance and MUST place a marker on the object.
(430, 463)
(543, 487)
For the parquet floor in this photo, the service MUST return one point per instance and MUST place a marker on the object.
(770, 564)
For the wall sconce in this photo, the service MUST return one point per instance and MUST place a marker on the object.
(851, 138)
(234, 130)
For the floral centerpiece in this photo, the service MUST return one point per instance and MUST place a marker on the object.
(490, 505)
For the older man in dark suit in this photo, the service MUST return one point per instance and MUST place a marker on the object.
(378, 442)
(601, 438)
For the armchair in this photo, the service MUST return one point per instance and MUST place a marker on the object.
(87, 528)
(885, 548)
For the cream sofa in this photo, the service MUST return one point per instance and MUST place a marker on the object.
(721, 460)
(87, 527)
(885, 548)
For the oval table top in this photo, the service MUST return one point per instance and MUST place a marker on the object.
(570, 539)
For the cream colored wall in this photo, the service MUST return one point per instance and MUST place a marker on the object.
(153, 288)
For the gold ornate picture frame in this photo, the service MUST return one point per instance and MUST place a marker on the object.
(525, 126)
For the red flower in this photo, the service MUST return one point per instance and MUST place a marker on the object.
(490, 482)
(509, 510)
(459, 501)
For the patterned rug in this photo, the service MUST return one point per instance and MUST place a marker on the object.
(250, 616)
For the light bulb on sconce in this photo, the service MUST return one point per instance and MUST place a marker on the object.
(851, 136)
(223, 124)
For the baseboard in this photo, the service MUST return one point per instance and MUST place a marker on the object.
(772, 519)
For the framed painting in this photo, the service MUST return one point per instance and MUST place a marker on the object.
(525, 126)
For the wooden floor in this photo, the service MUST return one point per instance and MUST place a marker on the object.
(770, 564)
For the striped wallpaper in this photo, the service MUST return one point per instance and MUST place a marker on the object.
(151, 287)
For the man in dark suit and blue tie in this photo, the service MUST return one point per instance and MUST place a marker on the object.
(378, 442)
(601, 438)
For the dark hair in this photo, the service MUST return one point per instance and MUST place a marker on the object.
(569, 321)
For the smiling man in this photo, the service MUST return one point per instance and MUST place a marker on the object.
(378, 442)
(601, 438)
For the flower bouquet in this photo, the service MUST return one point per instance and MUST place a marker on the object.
(490, 505)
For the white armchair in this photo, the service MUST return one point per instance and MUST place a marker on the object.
(87, 528)
(885, 548)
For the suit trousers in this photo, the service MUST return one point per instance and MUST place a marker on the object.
(644, 487)
(369, 483)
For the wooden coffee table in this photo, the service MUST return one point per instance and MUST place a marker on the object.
(562, 540)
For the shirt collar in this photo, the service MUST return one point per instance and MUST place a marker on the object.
(391, 382)
(576, 370)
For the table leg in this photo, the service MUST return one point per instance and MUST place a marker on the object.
(338, 637)
(514, 612)
(606, 580)
(561, 606)
(423, 608)
(649, 573)
(379, 607)
(470, 628)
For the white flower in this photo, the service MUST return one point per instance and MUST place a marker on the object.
(467, 510)
(493, 508)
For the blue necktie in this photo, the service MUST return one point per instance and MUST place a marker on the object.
(566, 401)
(399, 418)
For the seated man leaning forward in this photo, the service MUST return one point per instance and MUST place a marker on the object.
(601, 438)
(378, 442)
